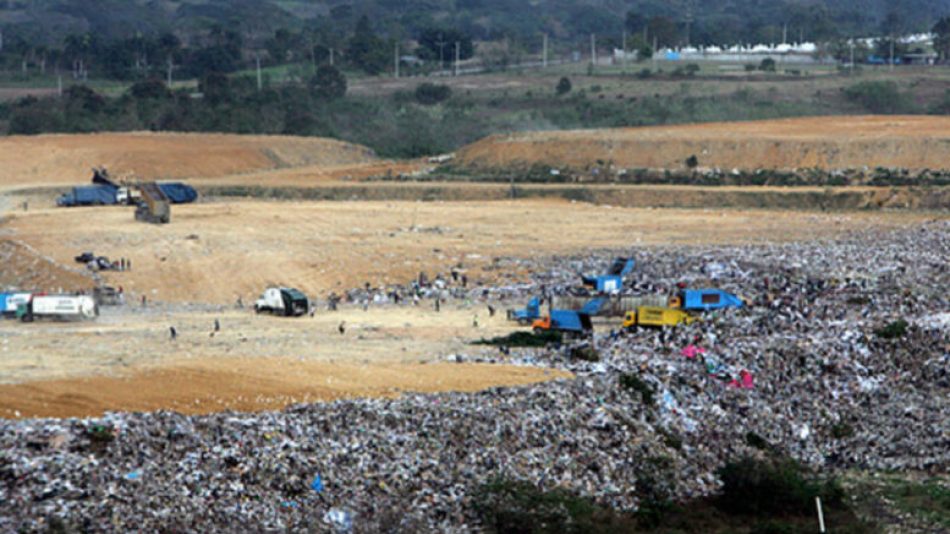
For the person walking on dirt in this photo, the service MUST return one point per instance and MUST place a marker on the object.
(438, 306)
(342, 327)
(491, 310)
(217, 325)
(172, 333)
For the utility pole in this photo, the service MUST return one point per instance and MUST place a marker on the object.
(457, 58)
(623, 44)
(260, 81)
(785, 33)
(689, 21)
(59, 85)
(892, 52)
(851, 43)
(593, 51)
(544, 54)
(331, 57)
(656, 52)
(171, 66)
(441, 53)
(396, 60)
(1, 39)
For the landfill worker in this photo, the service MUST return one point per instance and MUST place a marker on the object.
(438, 305)
(217, 325)
(342, 327)
(491, 310)
(172, 333)
(475, 321)
(144, 301)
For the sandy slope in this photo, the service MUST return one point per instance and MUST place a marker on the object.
(67, 159)
(825, 142)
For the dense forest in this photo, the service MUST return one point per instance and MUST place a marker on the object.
(138, 39)
(49, 22)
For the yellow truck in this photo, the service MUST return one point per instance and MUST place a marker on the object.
(656, 316)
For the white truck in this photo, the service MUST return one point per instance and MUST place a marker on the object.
(62, 307)
(12, 301)
(285, 301)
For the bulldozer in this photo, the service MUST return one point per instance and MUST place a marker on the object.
(154, 206)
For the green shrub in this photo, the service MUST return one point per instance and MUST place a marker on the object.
(775, 486)
(749, 67)
(774, 527)
(506, 506)
(563, 86)
(842, 430)
(588, 354)
(430, 94)
(524, 339)
(878, 96)
(633, 383)
(756, 441)
(328, 83)
(767, 65)
(893, 330)
(691, 69)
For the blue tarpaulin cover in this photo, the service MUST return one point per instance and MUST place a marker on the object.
(89, 196)
(179, 193)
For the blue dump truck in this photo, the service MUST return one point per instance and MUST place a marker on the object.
(105, 192)
(704, 300)
(612, 281)
(526, 316)
(569, 321)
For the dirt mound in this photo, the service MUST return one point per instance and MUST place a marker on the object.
(25, 268)
(251, 384)
(67, 159)
(913, 142)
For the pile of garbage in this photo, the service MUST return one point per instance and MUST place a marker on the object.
(842, 360)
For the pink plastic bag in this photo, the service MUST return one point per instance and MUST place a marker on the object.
(746, 378)
(691, 351)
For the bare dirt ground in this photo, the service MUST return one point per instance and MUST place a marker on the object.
(218, 252)
(214, 252)
(127, 361)
(55, 160)
(914, 142)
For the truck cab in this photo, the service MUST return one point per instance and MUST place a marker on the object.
(564, 321)
(531, 312)
(285, 301)
(656, 316)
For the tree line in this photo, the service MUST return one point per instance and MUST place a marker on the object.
(367, 42)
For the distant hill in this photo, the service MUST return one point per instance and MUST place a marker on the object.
(704, 21)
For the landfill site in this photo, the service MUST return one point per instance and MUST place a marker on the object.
(246, 333)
